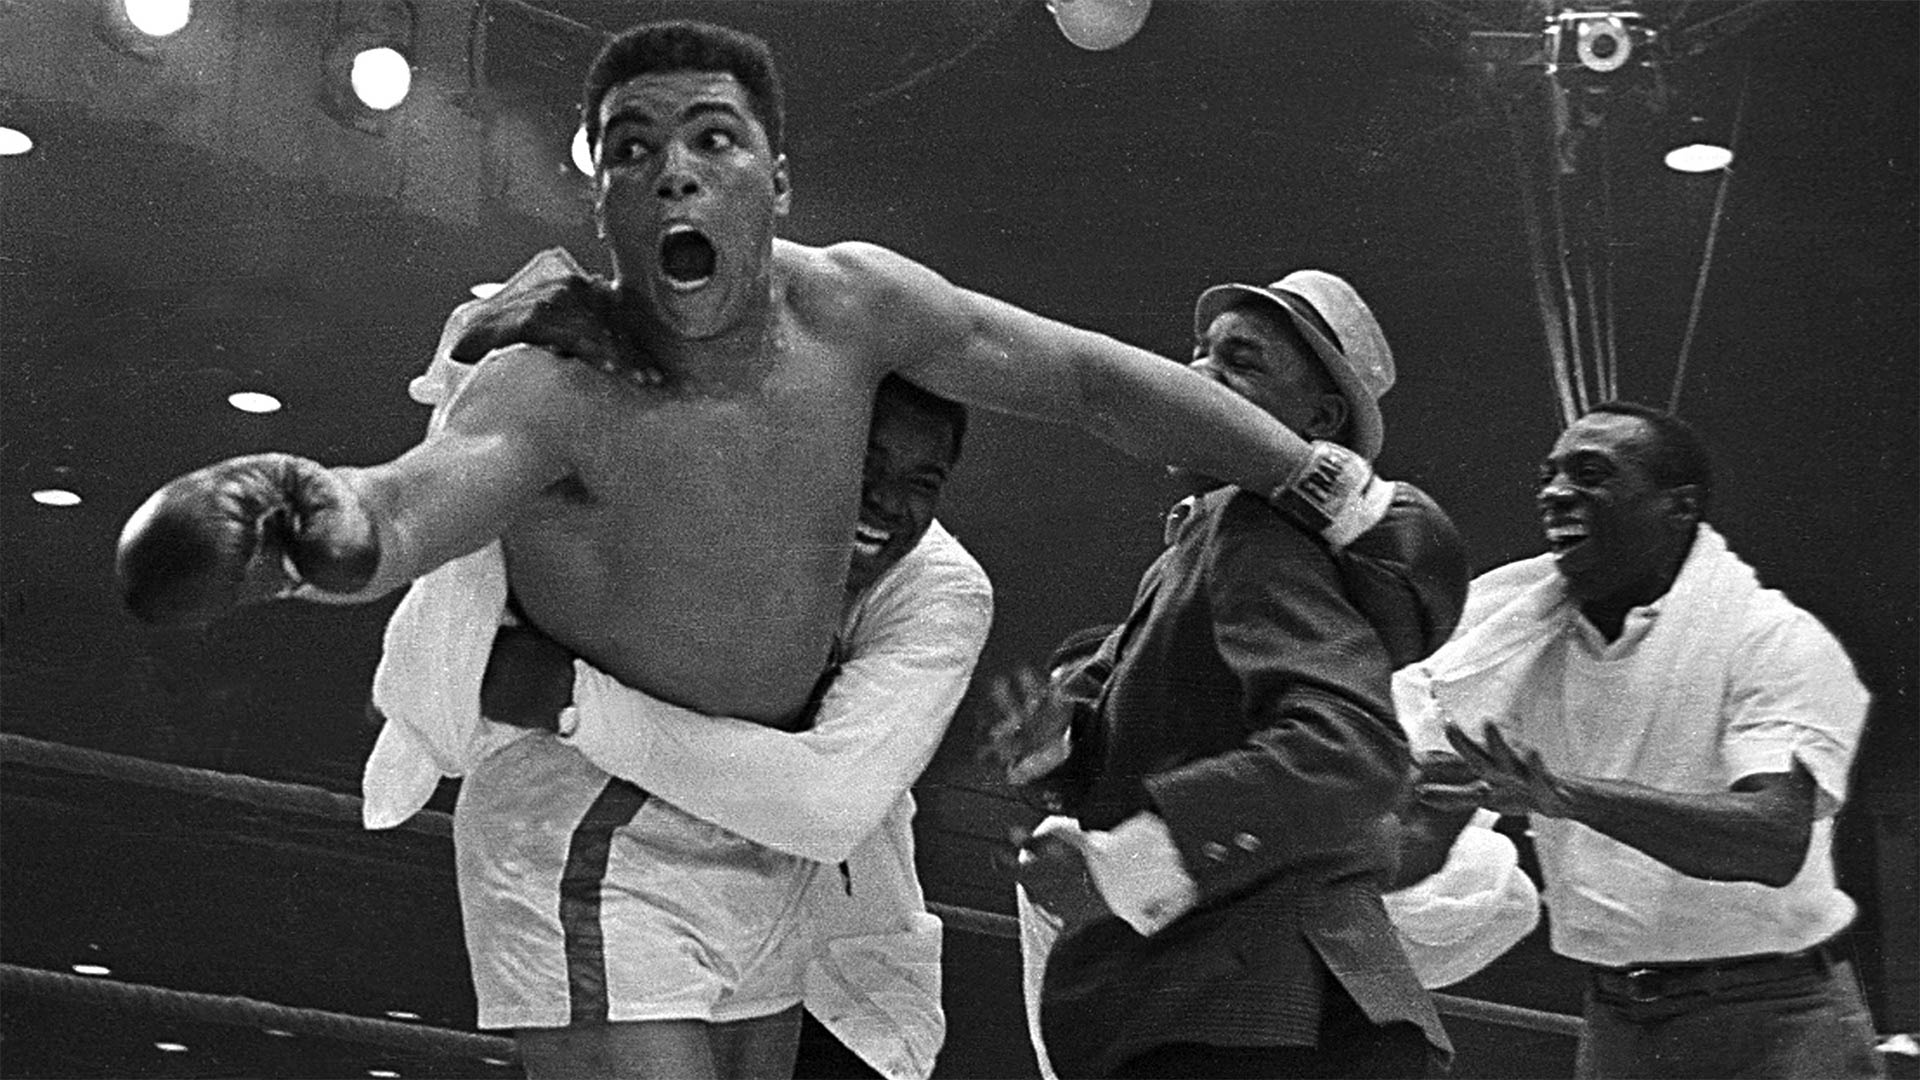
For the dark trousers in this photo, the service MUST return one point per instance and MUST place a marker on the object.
(1350, 1046)
(1806, 1022)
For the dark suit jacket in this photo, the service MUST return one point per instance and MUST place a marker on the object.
(1246, 701)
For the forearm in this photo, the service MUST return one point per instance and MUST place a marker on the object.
(1729, 836)
(1316, 780)
(772, 787)
(1158, 411)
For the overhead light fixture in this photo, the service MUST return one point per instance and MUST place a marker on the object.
(1698, 158)
(158, 18)
(138, 27)
(402, 1014)
(485, 289)
(63, 497)
(367, 69)
(84, 969)
(582, 153)
(1099, 25)
(1697, 147)
(253, 401)
(14, 142)
(171, 1047)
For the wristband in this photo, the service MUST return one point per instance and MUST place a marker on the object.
(1336, 497)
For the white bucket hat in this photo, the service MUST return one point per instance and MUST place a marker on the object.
(1341, 329)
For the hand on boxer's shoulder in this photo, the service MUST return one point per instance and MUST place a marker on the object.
(570, 316)
(528, 681)
(248, 529)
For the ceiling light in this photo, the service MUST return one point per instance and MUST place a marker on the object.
(381, 1072)
(582, 153)
(365, 71)
(486, 289)
(381, 78)
(1098, 25)
(78, 969)
(402, 1014)
(253, 401)
(14, 141)
(1699, 158)
(158, 18)
(171, 1047)
(278, 1033)
(63, 497)
(139, 27)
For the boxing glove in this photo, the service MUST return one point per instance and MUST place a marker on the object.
(248, 529)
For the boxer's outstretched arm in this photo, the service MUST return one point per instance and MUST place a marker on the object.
(986, 352)
(502, 443)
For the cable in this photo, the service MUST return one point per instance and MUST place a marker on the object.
(1713, 234)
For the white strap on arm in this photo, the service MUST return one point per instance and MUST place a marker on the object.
(1337, 495)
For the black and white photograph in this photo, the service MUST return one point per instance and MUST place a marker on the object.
(926, 539)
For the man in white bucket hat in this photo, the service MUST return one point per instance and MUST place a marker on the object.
(1229, 779)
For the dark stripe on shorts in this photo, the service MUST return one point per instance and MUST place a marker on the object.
(580, 891)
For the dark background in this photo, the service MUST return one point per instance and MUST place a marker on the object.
(193, 222)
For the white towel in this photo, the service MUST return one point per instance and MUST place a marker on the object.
(438, 640)
(1469, 912)
(1515, 612)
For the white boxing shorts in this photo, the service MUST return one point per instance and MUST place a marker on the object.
(587, 901)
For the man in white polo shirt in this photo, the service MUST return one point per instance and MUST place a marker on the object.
(1681, 737)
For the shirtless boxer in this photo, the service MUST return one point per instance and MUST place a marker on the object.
(687, 533)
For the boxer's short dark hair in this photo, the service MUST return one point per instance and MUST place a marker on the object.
(686, 45)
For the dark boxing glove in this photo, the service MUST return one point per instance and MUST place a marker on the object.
(245, 530)
(575, 316)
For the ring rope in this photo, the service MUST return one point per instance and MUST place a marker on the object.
(246, 1012)
(318, 802)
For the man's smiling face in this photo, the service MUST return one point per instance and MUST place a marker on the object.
(1613, 531)
(910, 453)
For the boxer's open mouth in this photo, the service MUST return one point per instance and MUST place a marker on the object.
(687, 257)
(869, 541)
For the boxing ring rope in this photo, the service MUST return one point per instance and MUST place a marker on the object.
(245, 1012)
(19, 750)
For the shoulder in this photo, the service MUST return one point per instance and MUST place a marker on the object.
(860, 275)
(1236, 520)
(527, 387)
(938, 583)
(1775, 631)
(938, 563)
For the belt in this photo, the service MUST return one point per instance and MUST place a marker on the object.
(1653, 982)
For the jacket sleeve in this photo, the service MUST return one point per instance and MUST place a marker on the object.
(1322, 758)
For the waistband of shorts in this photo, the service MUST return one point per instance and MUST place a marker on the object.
(1655, 981)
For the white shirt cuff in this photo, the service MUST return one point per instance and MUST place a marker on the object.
(1139, 873)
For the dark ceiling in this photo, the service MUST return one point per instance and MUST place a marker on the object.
(192, 223)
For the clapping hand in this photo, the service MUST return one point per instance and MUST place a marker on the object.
(1054, 872)
(1029, 734)
(1518, 781)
